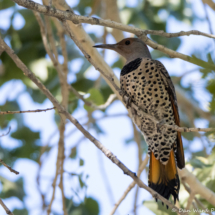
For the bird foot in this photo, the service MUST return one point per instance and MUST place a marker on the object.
(126, 98)
(160, 125)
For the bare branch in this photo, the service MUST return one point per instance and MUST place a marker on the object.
(105, 178)
(62, 73)
(5, 208)
(131, 186)
(26, 111)
(12, 170)
(195, 206)
(210, 3)
(190, 200)
(2, 135)
(207, 18)
(111, 98)
(137, 139)
(140, 112)
(135, 200)
(197, 201)
(195, 185)
(112, 13)
(62, 110)
(68, 15)
(87, 44)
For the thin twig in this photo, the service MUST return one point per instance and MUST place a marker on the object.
(2, 135)
(97, 119)
(208, 20)
(26, 111)
(135, 200)
(97, 143)
(196, 208)
(131, 186)
(137, 139)
(210, 3)
(65, 96)
(64, 91)
(140, 112)
(12, 170)
(111, 98)
(76, 19)
(197, 200)
(194, 184)
(5, 208)
(190, 200)
(105, 178)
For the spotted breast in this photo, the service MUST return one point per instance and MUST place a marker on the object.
(148, 84)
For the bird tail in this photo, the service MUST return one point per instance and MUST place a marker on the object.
(164, 178)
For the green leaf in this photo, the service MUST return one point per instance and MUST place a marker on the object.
(5, 119)
(81, 162)
(10, 188)
(20, 211)
(197, 163)
(6, 4)
(73, 153)
(88, 207)
(92, 207)
(95, 97)
(82, 184)
(83, 85)
(29, 147)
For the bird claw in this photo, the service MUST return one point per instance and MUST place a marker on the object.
(160, 125)
(126, 99)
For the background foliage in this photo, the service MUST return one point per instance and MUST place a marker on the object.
(24, 145)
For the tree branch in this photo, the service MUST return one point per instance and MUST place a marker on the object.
(131, 186)
(63, 111)
(112, 13)
(76, 19)
(195, 185)
(5, 208)
(87, 44)
(2, 135)
(12, 170)
(26, 111)
(197, 201)
(62, 73)
(140, 112)
(210, 3)
(111, 98)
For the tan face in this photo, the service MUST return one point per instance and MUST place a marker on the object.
(130, 45)
(129, 48)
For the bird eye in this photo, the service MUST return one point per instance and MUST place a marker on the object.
(127, 42)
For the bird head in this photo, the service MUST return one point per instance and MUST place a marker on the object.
(129, 48)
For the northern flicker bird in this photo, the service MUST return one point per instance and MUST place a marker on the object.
(148, 84)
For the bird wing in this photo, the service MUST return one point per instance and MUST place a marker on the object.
(171, 89)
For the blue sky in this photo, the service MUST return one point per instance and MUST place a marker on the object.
(117, 129)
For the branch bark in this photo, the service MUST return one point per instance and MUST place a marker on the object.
(76, 19)
(124, 97)
(210, 3)
(25, 111)
(12, 170)
(63, 111)
(5, 208)
(87, 44)
(196, 186)
(112, 13)
(131, 186)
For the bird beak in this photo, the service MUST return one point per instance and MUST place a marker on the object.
(107, 46)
